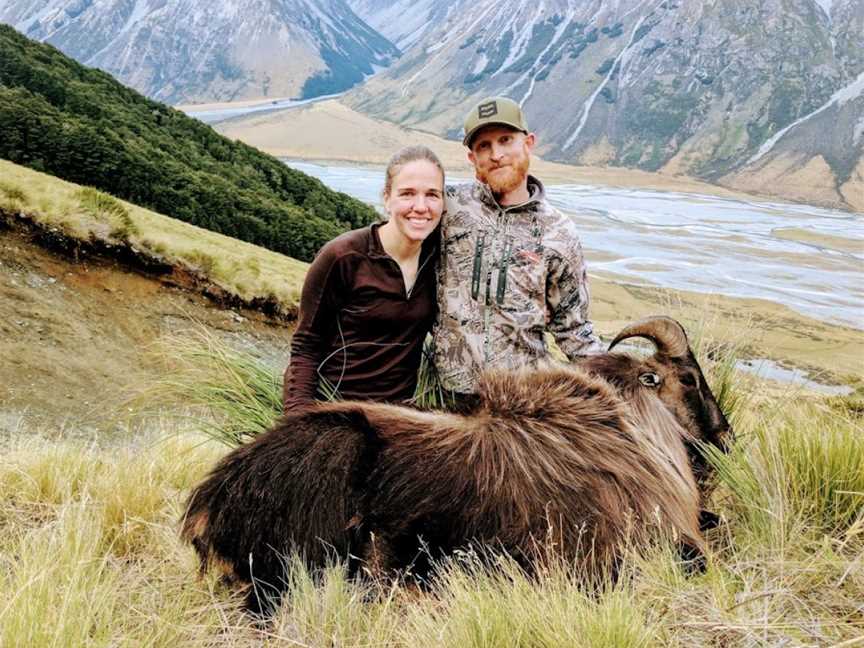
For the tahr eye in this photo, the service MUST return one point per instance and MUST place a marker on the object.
(649, 379)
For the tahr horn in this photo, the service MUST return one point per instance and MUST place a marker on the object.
(666, 334)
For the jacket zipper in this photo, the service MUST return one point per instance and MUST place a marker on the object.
(501, 287)
(416, 277)
(478, 265)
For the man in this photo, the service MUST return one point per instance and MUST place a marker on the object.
(511, 264)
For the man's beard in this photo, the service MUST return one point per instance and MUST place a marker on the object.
(507, 178)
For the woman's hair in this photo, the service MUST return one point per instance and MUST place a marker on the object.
(404, 156)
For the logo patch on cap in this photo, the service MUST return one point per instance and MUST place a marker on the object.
(487, 109)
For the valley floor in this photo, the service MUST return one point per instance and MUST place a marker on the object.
(330, 131)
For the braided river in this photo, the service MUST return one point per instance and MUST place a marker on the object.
(807, 258)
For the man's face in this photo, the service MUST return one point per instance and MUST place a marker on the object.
(501, 157)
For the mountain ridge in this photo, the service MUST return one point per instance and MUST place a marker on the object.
(192, 50)
(740, 94)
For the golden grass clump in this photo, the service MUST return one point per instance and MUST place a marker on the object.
(93, 559)
(13, 197)
(231, 395)
(796, 475)
(504, 607)
(106, 208)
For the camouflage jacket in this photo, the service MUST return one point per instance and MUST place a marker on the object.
(507, 275)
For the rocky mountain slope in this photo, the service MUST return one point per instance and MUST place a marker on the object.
(816, 158)
(681, 87)
(404, 22)
(198, 50)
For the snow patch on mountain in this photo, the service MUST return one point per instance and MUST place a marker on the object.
(619, 66)
(140, 9)
(532, 72)
(403, 22)
(851, 91)
(523, 36)
(825, 5)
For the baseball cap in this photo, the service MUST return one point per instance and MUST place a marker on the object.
(494, 110)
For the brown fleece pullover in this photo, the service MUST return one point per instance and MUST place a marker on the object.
(359, 328)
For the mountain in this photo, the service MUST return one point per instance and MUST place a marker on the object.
(759, 95)
(404, 22)
(81, 125)
(663, 85)
(817, 158)
(187, 51)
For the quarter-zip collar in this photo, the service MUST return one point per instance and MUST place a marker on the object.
(535, 189)
(428, 252)
(376, 249)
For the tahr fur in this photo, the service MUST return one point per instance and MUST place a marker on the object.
(557, 460)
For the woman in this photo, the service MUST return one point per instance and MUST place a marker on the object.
(368, 300)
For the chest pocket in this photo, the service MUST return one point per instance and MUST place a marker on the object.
(521, 276)
(475, 259)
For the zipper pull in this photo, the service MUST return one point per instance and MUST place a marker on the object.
(478, 266)
(502, 271)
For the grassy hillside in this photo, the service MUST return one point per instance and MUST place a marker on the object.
(80, 124)
(87, 215)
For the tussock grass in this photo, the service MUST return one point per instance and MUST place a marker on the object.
(327, 609)
(104, 207)
(504, 607)
(89, 554)
(797, 476)
(232, 395)
(13, 196)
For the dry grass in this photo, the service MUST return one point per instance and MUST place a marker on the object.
(90, 557)
(240, 268)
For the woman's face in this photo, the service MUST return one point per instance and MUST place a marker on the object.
(416, 199)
